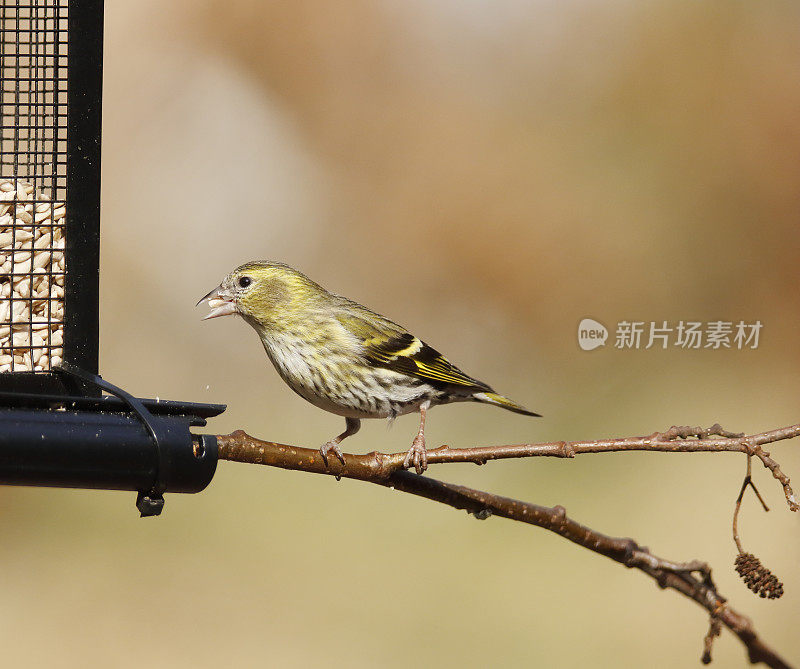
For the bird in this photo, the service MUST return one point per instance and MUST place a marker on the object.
(342, 356)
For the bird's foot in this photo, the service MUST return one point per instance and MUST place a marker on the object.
(329, 446)
(417, 455)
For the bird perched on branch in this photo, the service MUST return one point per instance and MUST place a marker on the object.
(343, 357)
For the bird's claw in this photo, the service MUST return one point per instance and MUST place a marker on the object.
(329, 446)
(417, 455)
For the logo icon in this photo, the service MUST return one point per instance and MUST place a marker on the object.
(591, 334)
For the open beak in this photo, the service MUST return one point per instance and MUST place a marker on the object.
(220, 306)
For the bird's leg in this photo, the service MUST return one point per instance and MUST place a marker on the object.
(417, 455)
(353, 425)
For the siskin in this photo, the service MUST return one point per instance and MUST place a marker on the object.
(342, 357)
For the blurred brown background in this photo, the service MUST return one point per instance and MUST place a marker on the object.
(487, 174)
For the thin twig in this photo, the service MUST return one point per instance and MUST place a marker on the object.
(748, 481)
(714, 630)
(692, 579)
(738, 506)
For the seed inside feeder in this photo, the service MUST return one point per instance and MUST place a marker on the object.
(31, 278)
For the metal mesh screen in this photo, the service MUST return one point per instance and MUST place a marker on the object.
(33, 134)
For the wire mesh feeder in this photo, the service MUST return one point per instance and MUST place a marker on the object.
(51, 74)
(33, 134)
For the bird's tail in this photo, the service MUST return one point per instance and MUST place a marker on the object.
(500, 401)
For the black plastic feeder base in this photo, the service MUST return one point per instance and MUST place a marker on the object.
(107, 443)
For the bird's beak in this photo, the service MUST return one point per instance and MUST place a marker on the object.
(221, 305)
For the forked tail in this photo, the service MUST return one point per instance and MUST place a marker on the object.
(499, 400)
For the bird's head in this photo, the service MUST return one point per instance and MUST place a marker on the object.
(264, 293)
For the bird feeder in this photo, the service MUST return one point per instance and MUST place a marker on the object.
(61, 424)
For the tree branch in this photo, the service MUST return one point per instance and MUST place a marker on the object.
(691, 579)
(675, 440)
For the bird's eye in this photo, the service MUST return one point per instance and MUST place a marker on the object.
(245, 281)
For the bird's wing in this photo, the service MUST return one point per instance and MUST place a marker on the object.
(388, 345)
(412, 356)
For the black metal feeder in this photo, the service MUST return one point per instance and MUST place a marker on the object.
(57, 427)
